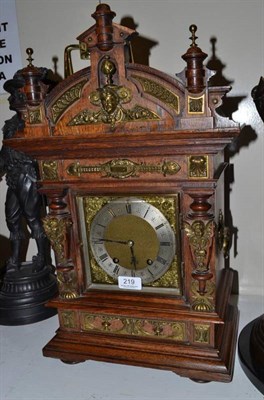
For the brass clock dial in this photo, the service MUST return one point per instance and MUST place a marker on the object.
(130, 237)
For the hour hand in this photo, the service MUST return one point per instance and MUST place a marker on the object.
(133, 257)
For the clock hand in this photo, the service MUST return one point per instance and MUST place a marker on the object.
(111, 241)
(133, 258)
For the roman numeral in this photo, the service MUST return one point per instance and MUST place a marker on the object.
(128, 208)
(97, 241)
(111, 212)
(116, 269)
(102, 226)
(150, 273)
(146, 212)
(159, 226)
(103, 257)
(161, 260)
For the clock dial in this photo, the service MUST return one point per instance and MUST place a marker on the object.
(130, 237)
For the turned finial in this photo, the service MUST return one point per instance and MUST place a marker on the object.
(194, 58)
(193, 29)
(103, 16)
(32, 76)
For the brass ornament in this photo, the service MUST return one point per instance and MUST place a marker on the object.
(67, 99)
(123, 169)
(111, 98)
(200, 236)
(202, 302)
(35, 116)
(49, 170)
(67, 282)
(133, 326)
(196, 105)
(201, 333)
(159, 91)
(210, 289)
(108, 68)
(68, 319)
(119, 114)
(223, 235)
(198, 167)
(56, 230)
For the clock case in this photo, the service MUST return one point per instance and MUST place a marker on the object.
(119, 129)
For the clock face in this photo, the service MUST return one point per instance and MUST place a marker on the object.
(131, 237)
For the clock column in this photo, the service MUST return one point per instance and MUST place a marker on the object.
(58, 227)
(199, 232)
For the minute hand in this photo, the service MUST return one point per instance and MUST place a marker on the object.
(112, 241)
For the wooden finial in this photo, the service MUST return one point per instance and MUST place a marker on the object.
(103, 16)
(194, 58)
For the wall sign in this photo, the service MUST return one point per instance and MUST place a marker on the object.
(10, 55)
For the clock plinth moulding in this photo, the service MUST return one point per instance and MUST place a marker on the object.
(119, 130)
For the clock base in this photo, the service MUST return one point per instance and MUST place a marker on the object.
(197, 362)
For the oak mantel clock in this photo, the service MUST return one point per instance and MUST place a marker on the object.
(132, 164)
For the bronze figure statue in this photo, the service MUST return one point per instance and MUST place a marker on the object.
(22, 199)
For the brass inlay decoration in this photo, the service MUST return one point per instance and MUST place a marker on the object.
(196, 105)
(111, 98)
(67, 282)
(123, 168)
(160, 92)
(202, 333)
(68, 98)
(68, 319)
(202, 303)
(137, 113)
(35, 116)
(49, 170)
(200, 237)
(133, 326)
(56, 230)
(198, 167)
(167, 205)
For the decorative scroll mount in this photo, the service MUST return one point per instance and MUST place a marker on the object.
(123, 168)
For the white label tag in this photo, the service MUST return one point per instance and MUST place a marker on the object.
(127, 282)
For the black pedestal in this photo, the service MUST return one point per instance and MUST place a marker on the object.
(250, 356)
(23, 295)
